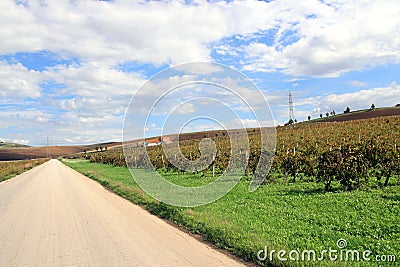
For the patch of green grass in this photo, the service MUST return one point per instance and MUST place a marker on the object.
(11, 145)
(299, 216)
(188, 179)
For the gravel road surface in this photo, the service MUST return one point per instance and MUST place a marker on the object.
(54, 216)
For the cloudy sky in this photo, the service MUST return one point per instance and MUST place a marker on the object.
(69, 68)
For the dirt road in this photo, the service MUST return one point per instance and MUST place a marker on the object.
(52, 216)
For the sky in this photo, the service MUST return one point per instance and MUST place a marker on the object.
(69, 68)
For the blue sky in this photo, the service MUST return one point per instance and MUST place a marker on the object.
(68, 69)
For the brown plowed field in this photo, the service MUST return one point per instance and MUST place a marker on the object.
(38, 152)
(368, 114)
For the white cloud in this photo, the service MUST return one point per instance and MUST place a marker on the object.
(309, 38)
(118, 31)
(16, 81)
(381, 97)
(21, 141)
(199, 68)
(20, 119)
(356, 83)
(91, 102)
(65, 128)
(94, 79)
(386, 96)
(185, 108)
(337, 39)
(92, 90)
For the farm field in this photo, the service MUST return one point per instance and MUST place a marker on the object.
(200, 133)
(356, 154)
(328, 181)
(282, 216)
(19, 152)
(363, 114)
(10, 169)
(38, 152)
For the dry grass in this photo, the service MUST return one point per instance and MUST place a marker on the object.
(10, 169)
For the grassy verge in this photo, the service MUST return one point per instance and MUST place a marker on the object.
(9, 169)
(278, 216)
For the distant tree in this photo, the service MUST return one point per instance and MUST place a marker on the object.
(398, 105)
(295, 120)
(97, 148)
(320, 115)
(327, 114)
(101, 148)
(84, 151)
(309, 117)
(347, 110)
(105, 148)
(333, 113)
(372, 106)
(289, 122)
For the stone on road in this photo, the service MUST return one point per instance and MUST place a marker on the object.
(54, 216)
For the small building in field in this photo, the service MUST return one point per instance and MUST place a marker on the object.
(152, 142)
(166, 140)
(157, 141)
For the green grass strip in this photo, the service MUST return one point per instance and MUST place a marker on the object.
(297, 216)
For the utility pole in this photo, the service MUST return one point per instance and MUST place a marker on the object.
(291, 112)
(48, 148)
